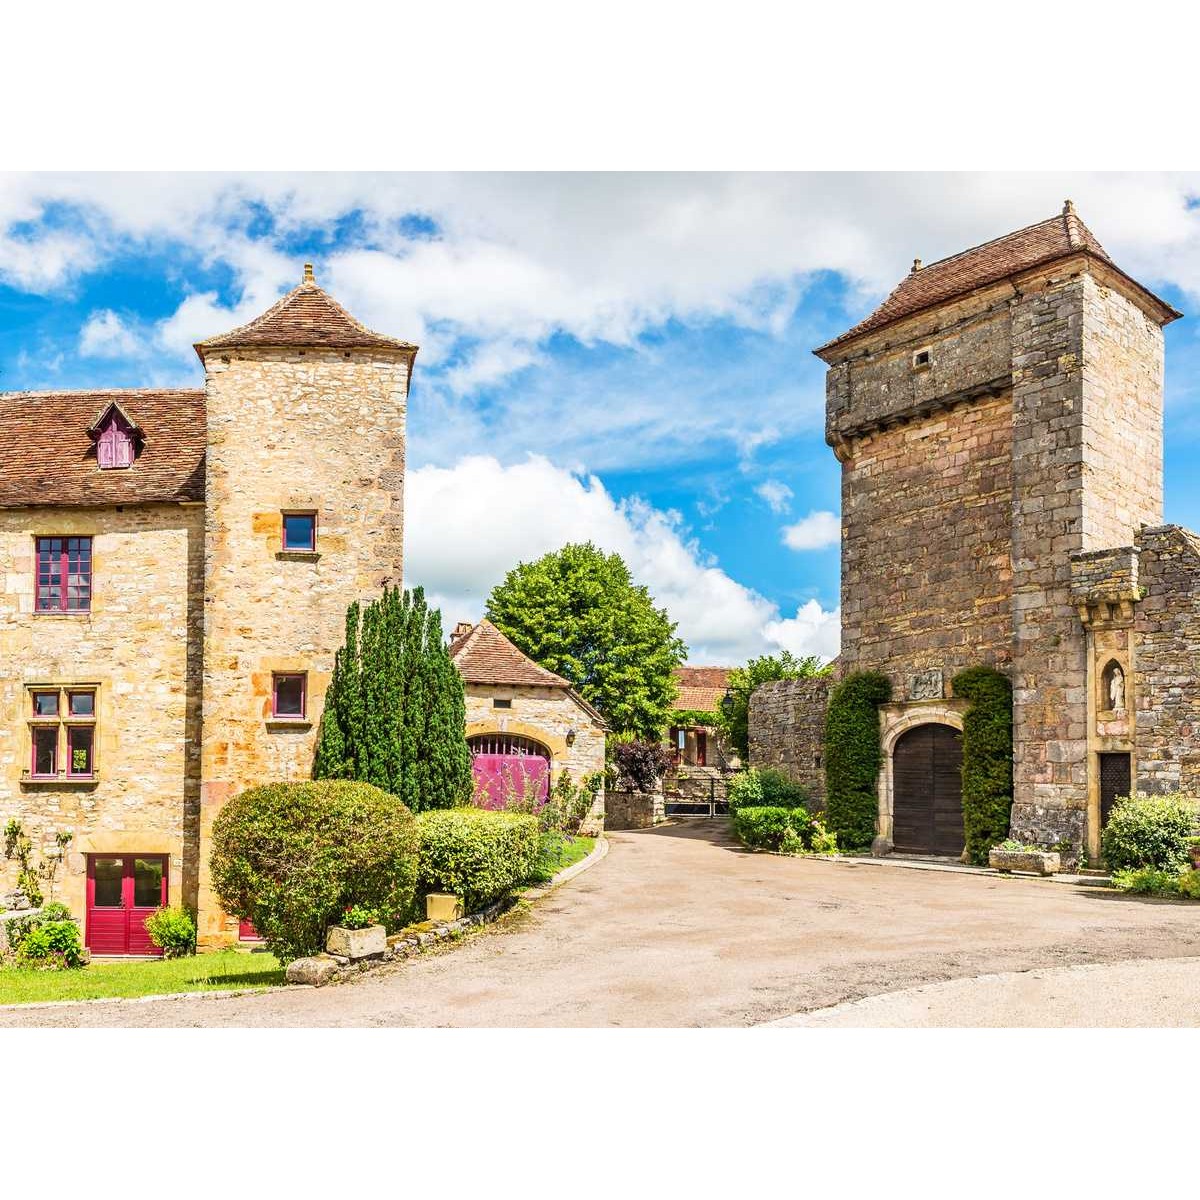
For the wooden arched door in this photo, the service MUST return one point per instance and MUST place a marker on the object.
(927, 791)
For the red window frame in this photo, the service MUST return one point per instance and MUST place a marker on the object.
(311, 545)
(72, 731)
(58, 561)
(34, 773)
(275, 681)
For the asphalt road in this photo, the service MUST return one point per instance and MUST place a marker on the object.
(680, 927)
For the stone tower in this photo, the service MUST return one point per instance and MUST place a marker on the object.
(304, 491)
(1000, 412)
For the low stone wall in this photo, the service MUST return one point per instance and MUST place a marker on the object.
(695, 785)
(787, 730)
(633, 810)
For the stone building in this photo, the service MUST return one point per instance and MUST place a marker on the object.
(999, 421)
(175, 568)
(525, 724)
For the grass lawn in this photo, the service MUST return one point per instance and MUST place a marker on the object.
(202, 973)
(556, 855)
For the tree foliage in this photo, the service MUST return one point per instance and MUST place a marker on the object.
(734, 718)
(577, 612)
(395, 712)
(987, 768)
(853, 756)
(292, 857)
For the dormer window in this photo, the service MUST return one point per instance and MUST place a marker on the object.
(114, 441)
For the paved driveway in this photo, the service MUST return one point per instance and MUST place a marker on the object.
(680, 927)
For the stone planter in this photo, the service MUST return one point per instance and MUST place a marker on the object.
(443, 906)
(356, 943)
(1035, 862)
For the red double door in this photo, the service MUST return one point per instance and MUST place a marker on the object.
(122, 891)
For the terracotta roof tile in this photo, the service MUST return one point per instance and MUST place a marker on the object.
(47, 456)
(700, 688)
(306, 316)
(949, 278)
(485, 655)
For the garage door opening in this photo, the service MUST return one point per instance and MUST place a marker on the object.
(927, 791)
(508, 767)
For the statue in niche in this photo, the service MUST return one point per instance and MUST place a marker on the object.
(1116, 688)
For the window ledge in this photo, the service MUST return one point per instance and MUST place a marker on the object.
(58, 781)
(297, 555)
(288, 723)
(72, 615)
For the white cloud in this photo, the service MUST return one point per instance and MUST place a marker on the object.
(813, 532)
(470, 523)
(105, 335)
(777, 495)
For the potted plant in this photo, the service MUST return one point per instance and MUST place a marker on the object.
(1012, 855)
(359, 935)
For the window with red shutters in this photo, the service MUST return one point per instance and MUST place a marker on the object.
(114, 444)
(64, 574)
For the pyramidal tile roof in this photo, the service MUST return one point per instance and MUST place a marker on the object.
(949, 278)
(306, 316)
(485, 655)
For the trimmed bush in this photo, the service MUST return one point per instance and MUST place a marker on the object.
(744, 790)
(292, 857)
(853, 756)
(780, 791)
(173, 931)
(1149, 831)
(477, 854)
(987, 767)
(51, 946)
(1146, 881)
(770, 827)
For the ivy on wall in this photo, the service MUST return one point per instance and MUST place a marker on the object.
(853, 756)
(987, 770)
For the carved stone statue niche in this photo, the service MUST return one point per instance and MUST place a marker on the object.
(1114, 688)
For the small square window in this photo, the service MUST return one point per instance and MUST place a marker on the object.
(300, 531)
(289, 697)
(498, 703)
(81, 704)
(45, 704)
(922, 358)
(45, 751)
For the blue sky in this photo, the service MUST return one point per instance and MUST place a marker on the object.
(626, 357)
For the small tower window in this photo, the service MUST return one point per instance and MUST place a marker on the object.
(114, 443)
(289, 699)
(300, 531)
(923, 358)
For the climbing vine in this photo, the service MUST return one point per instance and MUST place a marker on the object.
(987, 769)
(853, 756)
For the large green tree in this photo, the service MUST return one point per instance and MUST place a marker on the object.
(395, 712)
(578, 613)
(734, 717)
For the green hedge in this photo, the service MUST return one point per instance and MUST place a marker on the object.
(987, 768)
(766, 827)
(292, 857)
(476, 854)
(853, 756)
(1149, 831)
(764, 786)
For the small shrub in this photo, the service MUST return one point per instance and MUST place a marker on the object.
(1189, 885)
(1146, 881)
(762, 828)
(173, 931)
(292, 857)
(1149, 831)
(822, 840)
(744, 790)
(18, 927)
(640, 764)
(51, 946)
(780, 791)
(358, 917)
(476, 854)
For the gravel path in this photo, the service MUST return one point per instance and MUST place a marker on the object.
(680, 927)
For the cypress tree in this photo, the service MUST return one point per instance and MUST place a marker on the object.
(395, 711)
(853, 756)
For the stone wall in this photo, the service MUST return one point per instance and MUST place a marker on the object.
(633, 810)
(787, 730)
(140, 646)
(314, 429)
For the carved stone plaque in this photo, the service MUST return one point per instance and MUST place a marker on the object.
(925, 685)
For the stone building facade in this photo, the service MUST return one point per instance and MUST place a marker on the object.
(999, 424)
(175, 569)
(523, 721)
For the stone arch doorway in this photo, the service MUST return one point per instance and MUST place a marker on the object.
(927, 790)
(508, 767)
